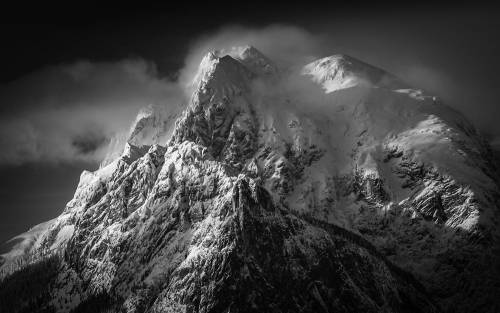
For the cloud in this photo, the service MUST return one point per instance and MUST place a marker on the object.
(286, 45)
(69, 112)
(421, 64)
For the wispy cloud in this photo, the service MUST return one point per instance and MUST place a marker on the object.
(68, 112)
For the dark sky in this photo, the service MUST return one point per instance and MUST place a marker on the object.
(33, 193)
(450, 50)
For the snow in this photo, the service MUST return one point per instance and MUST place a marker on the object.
(253, 59)
(63, 236)
(24, 243)
(154, 124)
(307, 155)
(206, 68)
(366, 112)
(341, 71)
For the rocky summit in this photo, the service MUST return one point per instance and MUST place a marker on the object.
(332, 188)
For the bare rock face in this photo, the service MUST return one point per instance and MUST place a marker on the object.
(359, 196)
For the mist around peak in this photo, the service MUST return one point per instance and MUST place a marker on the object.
(71, 112)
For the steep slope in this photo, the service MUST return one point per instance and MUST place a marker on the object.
(15, 250)
(342, 71)
(371, 197)
(152, 125)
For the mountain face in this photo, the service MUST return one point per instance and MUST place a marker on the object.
(351, 192)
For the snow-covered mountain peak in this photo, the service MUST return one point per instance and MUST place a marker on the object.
(147, 125)
(217, 205)
(341, 71)
(244, 52)
(207, 64)
(254, 60)
(153, 124)
(151, 110)
(218, 69)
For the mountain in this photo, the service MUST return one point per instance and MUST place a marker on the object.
(338, 188)
(342, 71)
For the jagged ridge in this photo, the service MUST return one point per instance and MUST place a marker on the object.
(265, 203)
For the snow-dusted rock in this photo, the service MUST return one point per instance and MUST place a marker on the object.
(342, 71)
(371, 197)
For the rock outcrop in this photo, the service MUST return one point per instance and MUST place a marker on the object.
(363, 196)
